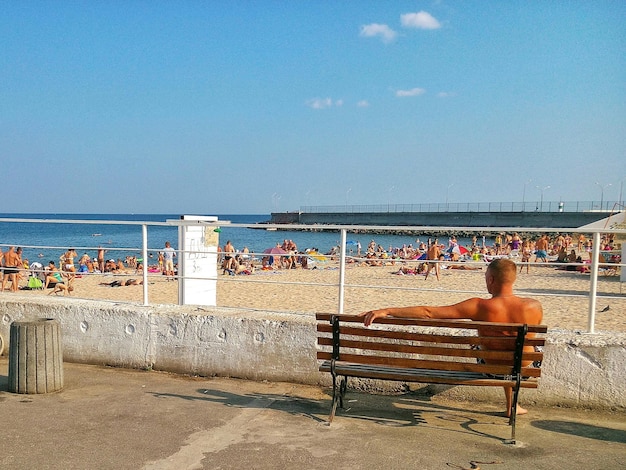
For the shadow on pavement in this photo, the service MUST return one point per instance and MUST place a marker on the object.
(581, 429)
(384, 410)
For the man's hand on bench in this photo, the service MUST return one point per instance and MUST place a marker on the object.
(370, 316)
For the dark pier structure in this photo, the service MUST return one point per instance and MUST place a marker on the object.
(544, 215)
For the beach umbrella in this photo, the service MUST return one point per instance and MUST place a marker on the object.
(460, 250)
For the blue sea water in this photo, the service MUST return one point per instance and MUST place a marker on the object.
(47, 241)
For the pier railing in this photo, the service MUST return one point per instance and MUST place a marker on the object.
(342, 256)
(528, 206)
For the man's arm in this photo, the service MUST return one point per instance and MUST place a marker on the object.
(467, 309)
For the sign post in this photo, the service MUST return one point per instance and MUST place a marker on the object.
(197, 261)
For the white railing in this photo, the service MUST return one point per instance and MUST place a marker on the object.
(343, 230)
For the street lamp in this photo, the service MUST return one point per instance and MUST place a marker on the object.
(542, 190)
(448, 190)
(275, 199)
(602, 188)
(347, 192)
(389, 197)
(524, 194)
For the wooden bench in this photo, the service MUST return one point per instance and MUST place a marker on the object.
(453, 352)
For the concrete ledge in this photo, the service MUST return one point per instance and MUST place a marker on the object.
(579, 369)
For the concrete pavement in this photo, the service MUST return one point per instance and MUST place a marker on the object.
(107, 418)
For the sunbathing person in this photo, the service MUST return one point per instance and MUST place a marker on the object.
(53, 276)
(128, 282)
(61, 287)
(503, 306)
(463, 267)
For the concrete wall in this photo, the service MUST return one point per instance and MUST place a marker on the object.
(579, 370)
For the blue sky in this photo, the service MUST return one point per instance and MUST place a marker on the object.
(257, 106)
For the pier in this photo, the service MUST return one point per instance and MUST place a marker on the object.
(543, 214)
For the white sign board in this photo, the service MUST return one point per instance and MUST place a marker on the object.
(197, 261)
(622, 276)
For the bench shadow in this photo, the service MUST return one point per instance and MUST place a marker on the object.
(295, 405)
(591, 431)
(385, 410)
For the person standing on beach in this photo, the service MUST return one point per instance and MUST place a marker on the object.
(542, 249)
(100, 258)
(12, 265)
(1, 269)
(229, 255)
(503, 307)
(67, 264)
(168, 257)
(433, 256)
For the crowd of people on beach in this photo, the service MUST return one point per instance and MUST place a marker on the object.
(17, 273)
(423, 258)
(427, 256)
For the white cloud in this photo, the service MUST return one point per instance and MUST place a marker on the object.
(372, 30)
(419, 20)
(363, 104)
(323, 103)
(446, 94)
(411, 92)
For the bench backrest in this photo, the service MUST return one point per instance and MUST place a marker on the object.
(449, 345)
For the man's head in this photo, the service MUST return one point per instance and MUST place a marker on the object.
(500, 271)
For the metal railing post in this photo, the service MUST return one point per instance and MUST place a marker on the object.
(342, 270)
(144, 255)
(595, 256)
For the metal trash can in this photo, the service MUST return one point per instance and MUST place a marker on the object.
(35, 356)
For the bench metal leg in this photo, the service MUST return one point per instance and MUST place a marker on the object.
(338, 394)
(513, 415)
(342, 391)
(333, 407)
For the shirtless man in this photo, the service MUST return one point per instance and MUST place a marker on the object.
(503, 306)
(542, 249)
(433, 254)
(100, 258)
(229, 256)
(12, 266)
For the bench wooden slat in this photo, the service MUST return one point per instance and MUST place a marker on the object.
(430, 350)
(503, 342)
(463, 324)
(419, 349)
(421, 375)
(420, 364)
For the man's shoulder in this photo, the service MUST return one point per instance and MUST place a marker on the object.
(512, 309)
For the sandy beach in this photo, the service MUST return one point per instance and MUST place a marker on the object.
(564, 295)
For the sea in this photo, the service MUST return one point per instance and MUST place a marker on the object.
(45, 241)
